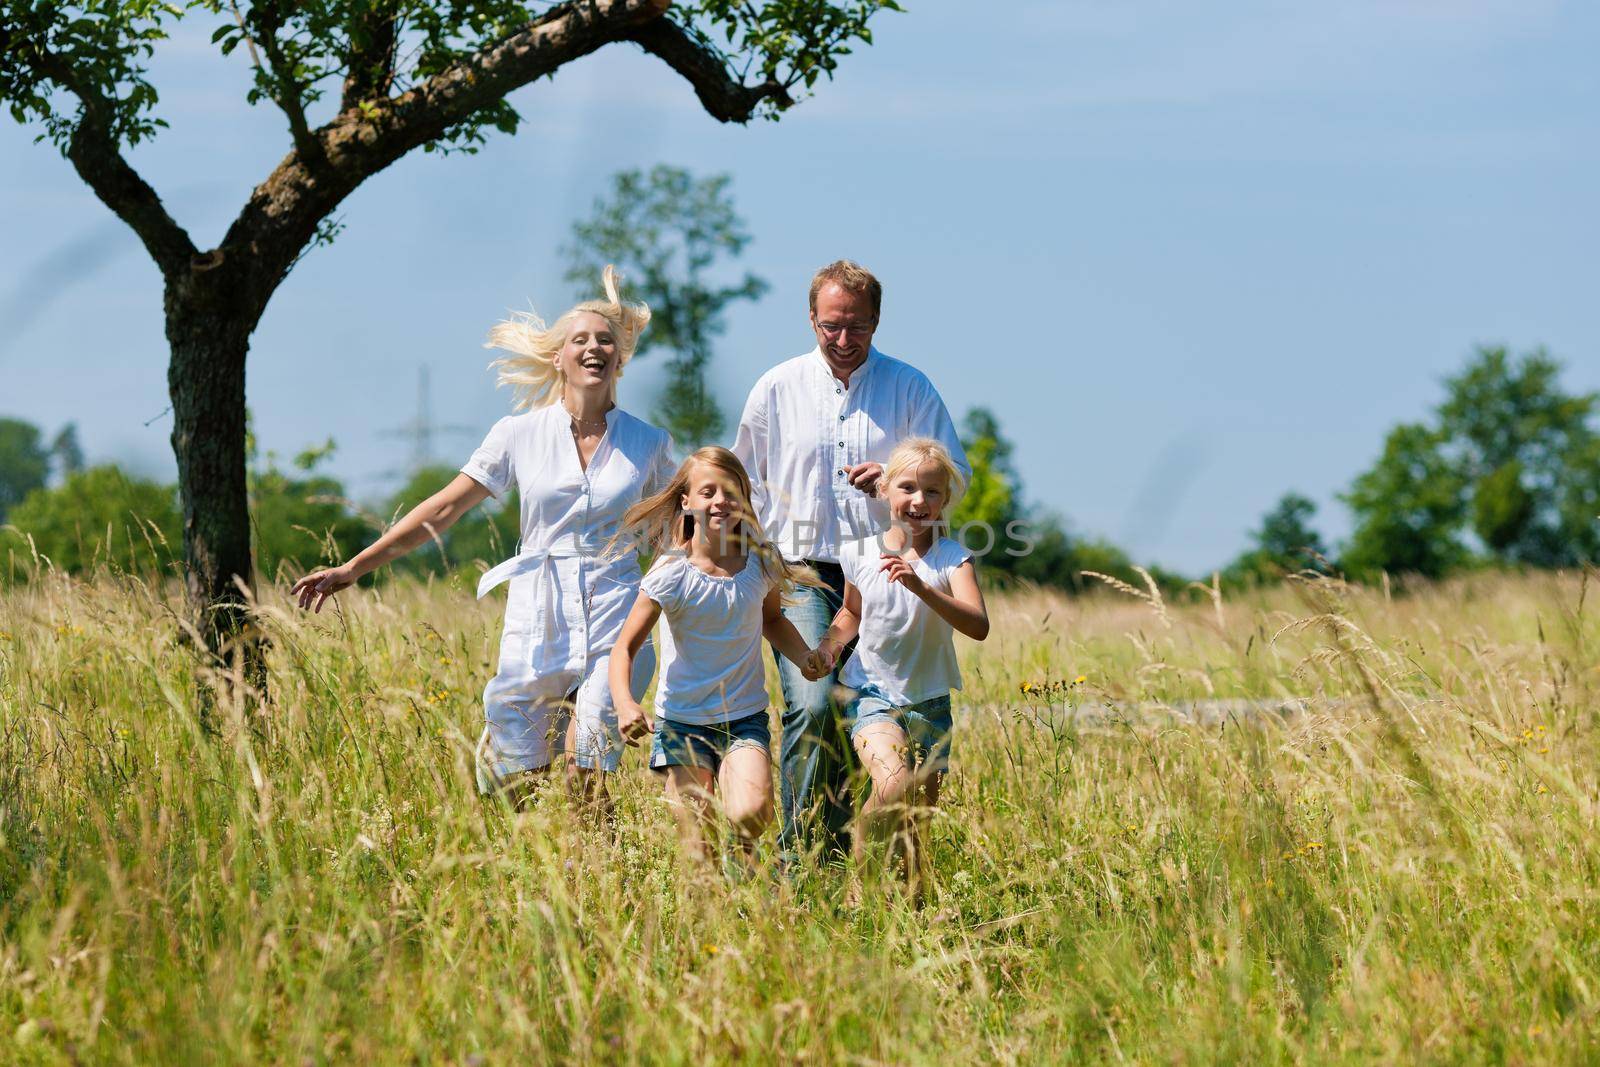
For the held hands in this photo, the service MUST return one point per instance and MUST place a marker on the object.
(898, 570)
(865, 477)
(320, 585)
(633, 723)
(819, 661)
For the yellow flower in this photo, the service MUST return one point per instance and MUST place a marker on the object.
(1541, 790)
(712, 950)
(1080, 679)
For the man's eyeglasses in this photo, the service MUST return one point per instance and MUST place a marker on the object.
(834, 329)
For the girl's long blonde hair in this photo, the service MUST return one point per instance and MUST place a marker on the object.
(533, 369)
(662, 525)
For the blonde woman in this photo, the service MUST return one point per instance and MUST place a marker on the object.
(907, 592)
(720, 585)
(578, 463)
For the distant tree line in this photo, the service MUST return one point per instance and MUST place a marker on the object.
(1505, 472)
(300, 516)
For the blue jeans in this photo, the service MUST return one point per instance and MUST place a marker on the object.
(926, 724)
(813, 766)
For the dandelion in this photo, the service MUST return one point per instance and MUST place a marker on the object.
(1080, 679)
(712, 950)
(1541, 790)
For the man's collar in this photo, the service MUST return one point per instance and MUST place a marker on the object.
(855, 375)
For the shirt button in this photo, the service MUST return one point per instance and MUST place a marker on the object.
(837, 390)
(841, 444)
(841, 418)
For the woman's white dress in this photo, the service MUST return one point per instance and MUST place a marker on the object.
(568, 598)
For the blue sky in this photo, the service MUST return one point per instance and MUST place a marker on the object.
(1193, 255)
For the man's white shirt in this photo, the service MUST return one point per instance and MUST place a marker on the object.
(802, 428)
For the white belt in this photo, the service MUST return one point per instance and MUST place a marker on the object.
(523, 563)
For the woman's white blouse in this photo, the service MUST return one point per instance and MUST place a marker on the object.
(802, 427)
(905, 648)
(711, 666)
(568, 600)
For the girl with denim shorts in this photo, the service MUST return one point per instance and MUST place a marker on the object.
(720, 585)
(906, 593)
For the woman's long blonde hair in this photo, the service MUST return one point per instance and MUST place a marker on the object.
(533, 369)
(662, 525)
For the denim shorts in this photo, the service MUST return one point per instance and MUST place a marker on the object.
(687, 744)
(927, 724)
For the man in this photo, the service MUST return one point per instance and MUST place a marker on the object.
(814, 436)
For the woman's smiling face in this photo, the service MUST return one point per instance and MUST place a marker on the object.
(589, 355)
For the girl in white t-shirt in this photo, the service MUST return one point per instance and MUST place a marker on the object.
(906, 592)
(720, 585)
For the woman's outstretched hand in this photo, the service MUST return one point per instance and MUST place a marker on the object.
(318, 586)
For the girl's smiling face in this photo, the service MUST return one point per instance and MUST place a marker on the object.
(589, 355)
(917, 496)
(713, 500)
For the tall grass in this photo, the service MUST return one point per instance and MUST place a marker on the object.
(1403, 870)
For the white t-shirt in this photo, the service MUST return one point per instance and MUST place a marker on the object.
(711, 667)
(905, 649)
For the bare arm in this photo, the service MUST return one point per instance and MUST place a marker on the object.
(784, 638)
(962, 607)
(845, 627)
(421, 524)
(632, 721)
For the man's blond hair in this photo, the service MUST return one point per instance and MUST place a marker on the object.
(852, 277)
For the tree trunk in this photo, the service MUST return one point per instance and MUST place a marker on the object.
(209, 321)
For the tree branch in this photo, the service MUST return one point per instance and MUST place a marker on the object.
(370, 62)
(724, 97)
(93, 151)
(283, 211)
(287, 93)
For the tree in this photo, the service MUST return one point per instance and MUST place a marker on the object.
(666, 230)
(65, 452)
(1408, 509)
(994, 492)
(1511, 460)
(360, 85)
(1284, 544)
(99, 516)
(23, 463)
(1519, 444)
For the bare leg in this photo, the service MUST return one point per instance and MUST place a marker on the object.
(689, 792)
(884, 752)
(746, 785)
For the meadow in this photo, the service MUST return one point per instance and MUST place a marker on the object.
(1400, 866)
